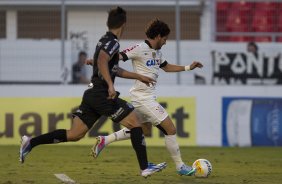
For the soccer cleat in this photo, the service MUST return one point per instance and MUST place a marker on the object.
(152, 168)
(186, 170)
(25, 147)
(99, 146)
(161, 166)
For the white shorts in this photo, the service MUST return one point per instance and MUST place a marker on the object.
(150, 111)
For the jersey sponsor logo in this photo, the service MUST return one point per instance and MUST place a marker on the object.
(153, 62)
(106, 45)
(129, 49)
(117, 113)
(114, 48)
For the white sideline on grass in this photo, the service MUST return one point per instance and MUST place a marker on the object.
(64, 178)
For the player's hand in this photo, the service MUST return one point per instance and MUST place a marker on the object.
(89, 62)
(196, 64)
(112, 92)
(147, 80)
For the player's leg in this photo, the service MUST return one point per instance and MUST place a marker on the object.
(122, 134)
(28, 143)
(138, 142)
(152, 111)
(83, 119)
(168, 128)
(77, 131)
(122, 112)
(103, 141)
(137, 139)
(147, 129)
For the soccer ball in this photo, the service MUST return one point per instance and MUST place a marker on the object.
(204, 168)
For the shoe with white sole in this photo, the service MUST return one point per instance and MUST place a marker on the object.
(186, 170)
(25, 148)
(99, 146)
(152, 168)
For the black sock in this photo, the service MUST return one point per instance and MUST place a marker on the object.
(56, 136)
(138, 143)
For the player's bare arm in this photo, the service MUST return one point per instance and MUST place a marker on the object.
(178, 68)
(102, 63)
(131, 75)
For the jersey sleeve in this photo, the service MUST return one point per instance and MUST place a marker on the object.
(163, 64)
(111, 47)
(163, 61)
(130, 53)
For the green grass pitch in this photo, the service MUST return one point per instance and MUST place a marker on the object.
(118, 165)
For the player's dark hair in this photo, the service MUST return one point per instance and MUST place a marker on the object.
(157, 27)
(116, 18)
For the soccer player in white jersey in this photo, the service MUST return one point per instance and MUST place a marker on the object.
(147, 59)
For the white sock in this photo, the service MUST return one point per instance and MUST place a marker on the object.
(173, 148)
(122, 134)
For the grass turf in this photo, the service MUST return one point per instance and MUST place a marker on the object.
(118, 165)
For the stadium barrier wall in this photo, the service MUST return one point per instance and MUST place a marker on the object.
(224, 63)
(34, 61)
(198, 111)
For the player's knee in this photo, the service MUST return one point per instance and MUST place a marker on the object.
(147, 129)
(131, 121)
(134, 124)
(74, 136)
(171, 131)
(147, 133)
(167, 130)
(130, 124)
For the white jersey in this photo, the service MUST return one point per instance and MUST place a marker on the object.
(146, 61)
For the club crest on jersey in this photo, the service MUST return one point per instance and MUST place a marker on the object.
(160, 109)
(154, 55)
(153, 62)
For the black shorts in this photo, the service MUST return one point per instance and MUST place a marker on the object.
(95, 104)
